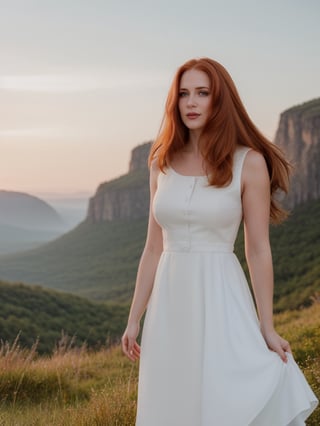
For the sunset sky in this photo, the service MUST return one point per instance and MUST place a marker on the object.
(83, 82)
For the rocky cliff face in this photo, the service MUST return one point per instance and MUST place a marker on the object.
(139, 156)
(126, 197)
(298, 135)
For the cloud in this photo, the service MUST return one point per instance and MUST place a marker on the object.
(64, 83)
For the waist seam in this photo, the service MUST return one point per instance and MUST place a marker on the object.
(214, 248)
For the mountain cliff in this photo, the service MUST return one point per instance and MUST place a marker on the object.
(126, 197)
(298, 135)
(139, 156)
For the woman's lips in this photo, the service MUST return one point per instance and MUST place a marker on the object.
(192, 115)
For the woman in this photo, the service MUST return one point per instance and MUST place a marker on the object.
(207, 359)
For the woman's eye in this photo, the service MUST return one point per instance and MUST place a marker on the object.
(182, 94)
(203, 93)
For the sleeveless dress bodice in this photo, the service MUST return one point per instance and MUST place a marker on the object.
(197, 216)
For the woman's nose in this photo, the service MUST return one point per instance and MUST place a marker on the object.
(191, 100)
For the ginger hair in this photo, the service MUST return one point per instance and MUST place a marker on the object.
(229, 125)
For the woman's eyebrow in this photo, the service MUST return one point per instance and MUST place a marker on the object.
(197, 88)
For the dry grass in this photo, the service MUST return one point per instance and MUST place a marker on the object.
(71, 387)
(77, 387)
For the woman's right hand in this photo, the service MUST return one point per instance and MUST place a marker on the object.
(129, 343)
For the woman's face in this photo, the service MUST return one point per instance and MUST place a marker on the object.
(195, 99)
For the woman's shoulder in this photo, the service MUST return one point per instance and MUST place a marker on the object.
(154, 166)
(249, 158)
(254, 159)
(154, 170)
(254, 166)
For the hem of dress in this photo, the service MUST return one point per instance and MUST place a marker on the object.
(299, 417)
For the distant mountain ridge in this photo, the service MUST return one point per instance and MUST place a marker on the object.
(26, 222)
(14, 239)
(26, 211)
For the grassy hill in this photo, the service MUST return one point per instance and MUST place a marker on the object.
(34, 312)
(99, 261)
(83, 388)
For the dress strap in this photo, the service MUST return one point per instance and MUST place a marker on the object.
(238, 160)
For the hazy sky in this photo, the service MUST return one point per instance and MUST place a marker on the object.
(83, 82)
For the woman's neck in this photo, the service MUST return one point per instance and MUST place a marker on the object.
(192, 145)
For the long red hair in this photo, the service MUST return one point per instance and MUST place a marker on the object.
(228, 126)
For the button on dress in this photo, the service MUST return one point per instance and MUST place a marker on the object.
(204, 361)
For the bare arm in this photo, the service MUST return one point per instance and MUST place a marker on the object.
(145, 276)
(256, 209)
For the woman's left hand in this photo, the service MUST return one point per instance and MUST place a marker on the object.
(277, 344)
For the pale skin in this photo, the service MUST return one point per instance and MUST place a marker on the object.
(195, 98)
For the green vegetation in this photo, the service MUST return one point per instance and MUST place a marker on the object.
(79, 387)
(36, 313)
(131, 180)
(99, 261)
(296, 257)
(309, 109)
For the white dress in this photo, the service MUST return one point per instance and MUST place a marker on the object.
(204, 361)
